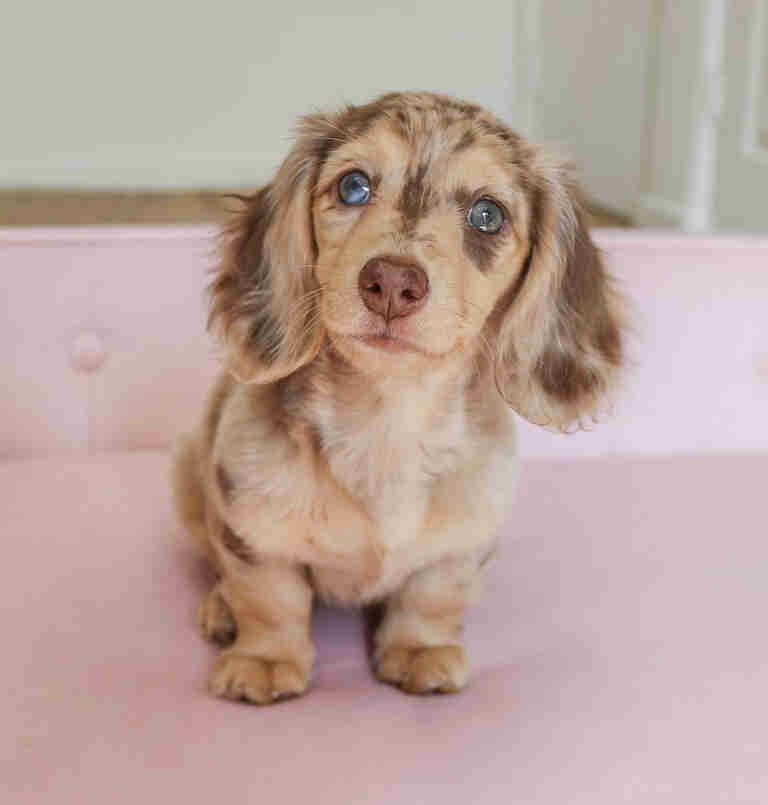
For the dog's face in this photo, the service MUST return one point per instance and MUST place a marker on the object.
(419, 230)
(421, 224)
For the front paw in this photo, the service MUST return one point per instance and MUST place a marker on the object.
(427, 669)
(257, 680)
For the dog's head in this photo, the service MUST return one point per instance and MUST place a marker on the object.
(418, 230)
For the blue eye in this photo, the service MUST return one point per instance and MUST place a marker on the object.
(485, 216)
(355, 189)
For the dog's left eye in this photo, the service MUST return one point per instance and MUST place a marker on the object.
(485, 216)
(355, 188)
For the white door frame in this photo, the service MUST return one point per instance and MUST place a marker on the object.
(698, 216)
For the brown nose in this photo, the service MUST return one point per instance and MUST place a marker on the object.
(393, 286)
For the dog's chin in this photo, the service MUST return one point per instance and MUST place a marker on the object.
(394, 345)
(377, 353)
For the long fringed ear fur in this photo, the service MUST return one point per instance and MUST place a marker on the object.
(559, 339)
(264, 298)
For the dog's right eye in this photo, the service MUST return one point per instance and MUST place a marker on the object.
(355, 188)
(485, 216)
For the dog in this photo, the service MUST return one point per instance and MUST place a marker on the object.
(414, 274)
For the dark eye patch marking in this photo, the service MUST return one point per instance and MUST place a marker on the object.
(236, 545)
(480, 247)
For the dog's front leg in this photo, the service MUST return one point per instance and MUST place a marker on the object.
(272, 654)
(417, 646)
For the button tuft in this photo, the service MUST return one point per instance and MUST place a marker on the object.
(88, 353)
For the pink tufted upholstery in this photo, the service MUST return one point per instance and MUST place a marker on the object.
(619, 654)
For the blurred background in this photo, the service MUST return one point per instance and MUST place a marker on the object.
(144, 112)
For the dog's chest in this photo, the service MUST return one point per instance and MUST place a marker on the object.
(389, 460)
(390, 457)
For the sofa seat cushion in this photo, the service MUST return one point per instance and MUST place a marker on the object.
(619, 653)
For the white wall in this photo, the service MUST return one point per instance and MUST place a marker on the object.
(679, 100)
(742, 163)
(195, 94)
(762, 80)
(593, 84)
(633, 90)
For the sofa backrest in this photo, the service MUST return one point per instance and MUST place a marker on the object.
(103, 347)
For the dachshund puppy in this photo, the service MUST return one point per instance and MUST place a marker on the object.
(414, 271)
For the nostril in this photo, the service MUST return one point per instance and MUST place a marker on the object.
(393, 286)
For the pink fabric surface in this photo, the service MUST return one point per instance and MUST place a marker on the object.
(699, 382)
(136, 292)
(619, 653)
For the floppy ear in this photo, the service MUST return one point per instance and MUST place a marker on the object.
(264, 296)
(559, 332)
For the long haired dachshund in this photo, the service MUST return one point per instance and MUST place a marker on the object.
(414, 271)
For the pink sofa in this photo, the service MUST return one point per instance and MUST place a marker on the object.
(619, 654)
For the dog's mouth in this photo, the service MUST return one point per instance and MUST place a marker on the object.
(389, 342)
(396, 338)
(385, 339)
